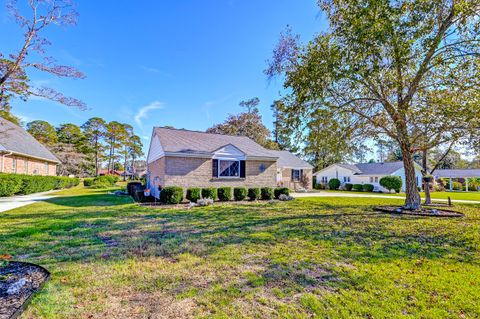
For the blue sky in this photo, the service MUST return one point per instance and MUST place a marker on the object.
(152, 63)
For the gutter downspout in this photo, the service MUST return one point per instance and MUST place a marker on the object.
(3, 160)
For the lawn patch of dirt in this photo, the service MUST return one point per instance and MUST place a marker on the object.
(429, 212)
(18, 282)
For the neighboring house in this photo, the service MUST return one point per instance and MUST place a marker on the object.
(21, 153)
(457, 174)
(293, 172)
(365, 173)
(179, 157)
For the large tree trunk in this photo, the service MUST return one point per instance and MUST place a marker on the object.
(412, 200)
(96, 156)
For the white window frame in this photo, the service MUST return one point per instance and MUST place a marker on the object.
(228, 160)
(46, 168)
(14, 165)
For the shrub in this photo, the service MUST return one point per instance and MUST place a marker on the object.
(224, 193)
(193, 194)
(239, 193)
(209, 192)
(334, 183)
(10, 184)
(254, 193)
(266, 193)
(391, 182)
(89, 182)
(348, 186)
(368, 187)
(281, 190)
(171, 195)
(357, 187)
(318, 186)
(457, 186)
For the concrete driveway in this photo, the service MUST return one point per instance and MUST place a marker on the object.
(8, 203)
(346, 194)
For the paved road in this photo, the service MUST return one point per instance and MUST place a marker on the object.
(8, 203)
(345, 194)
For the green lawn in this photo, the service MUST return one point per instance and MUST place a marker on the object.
(312, 257)
(475, 196)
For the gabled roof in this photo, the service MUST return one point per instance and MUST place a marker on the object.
(287, 159)
(205, 144)
(385, 168)
(15, 139)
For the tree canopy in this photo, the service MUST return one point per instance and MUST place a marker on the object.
(248, 123)
(404, 69)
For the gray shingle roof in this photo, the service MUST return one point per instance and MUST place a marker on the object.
(378, 168)
(457, 173)
(15, 139)
(287, 159)
(195, 142)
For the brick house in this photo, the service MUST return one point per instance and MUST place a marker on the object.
(21, 153)
(293, 172)
(179, 157)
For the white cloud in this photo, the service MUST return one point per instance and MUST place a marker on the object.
(143, 111)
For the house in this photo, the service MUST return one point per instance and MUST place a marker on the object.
(179, 157)
(365, 173)
(293, 172)
(21, 153)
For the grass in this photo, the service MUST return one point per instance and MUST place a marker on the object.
(454, 195)
(312, 257)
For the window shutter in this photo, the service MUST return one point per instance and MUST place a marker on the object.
(242, 169)
(301, 175)
(293, 175)
(215, 168)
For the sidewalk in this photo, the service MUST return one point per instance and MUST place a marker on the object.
(8, 203)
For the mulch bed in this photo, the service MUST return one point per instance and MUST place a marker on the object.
(18, 282)
(430, 212)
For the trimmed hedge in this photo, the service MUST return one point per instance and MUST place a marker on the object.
(368, 187)
(281, 190)
(239, 193)
(209, 192)
(348, 186)
(334, 183)
(266, 193)
(12, 184)
(391, 182)
(357, 187)
(171, 195)
(193, 194)
(224, 193)
(254, 193)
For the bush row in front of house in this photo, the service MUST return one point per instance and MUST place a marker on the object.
(13, 184)
(174, 194)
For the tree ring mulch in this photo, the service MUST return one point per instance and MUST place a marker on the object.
(18, 282)
(429, 212)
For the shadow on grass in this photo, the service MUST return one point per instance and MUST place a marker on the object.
(88, 227)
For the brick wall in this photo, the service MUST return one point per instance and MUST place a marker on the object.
(287, 178)
(197, 172)
(27, 166)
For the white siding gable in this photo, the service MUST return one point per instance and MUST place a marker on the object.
(229, 152)
(155, 151)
